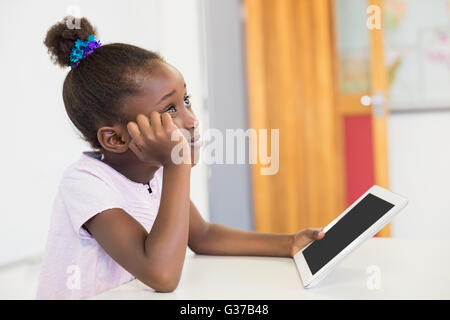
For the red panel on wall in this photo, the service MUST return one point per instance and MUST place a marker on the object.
(359, 161)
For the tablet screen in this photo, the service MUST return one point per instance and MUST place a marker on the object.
(348, 228)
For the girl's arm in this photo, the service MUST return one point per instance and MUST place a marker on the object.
(216, 239)
(155, 258)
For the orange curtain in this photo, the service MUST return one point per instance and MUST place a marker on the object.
(291, 85)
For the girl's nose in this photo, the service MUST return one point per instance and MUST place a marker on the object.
(191, 121)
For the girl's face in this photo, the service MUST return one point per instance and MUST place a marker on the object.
(165, 91)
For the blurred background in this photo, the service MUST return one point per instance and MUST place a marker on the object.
(360, 91)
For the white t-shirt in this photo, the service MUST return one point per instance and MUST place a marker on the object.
(74, 265)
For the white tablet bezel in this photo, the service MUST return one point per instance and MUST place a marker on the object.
(399, 202)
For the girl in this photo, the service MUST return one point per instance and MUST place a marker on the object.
(123, 210)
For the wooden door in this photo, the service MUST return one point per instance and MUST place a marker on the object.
(302, 82)
(361, 95)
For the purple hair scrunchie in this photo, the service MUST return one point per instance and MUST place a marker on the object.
(82, 49)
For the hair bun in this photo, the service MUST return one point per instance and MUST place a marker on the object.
(61, 38)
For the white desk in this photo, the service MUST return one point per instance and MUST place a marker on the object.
(408, 269)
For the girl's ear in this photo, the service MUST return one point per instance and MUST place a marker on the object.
(113, 139)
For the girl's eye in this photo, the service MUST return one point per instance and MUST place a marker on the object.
(171, 109)
(187, 101)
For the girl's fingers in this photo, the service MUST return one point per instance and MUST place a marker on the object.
(134, 132)
(318, 233)
(134, 147)
(155, 119)
(167, 122)
(313, 233)
(144, 126)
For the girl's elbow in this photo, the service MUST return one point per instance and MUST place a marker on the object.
(195, 249)
(167, 284)
(198, 247)
(167, 289)
(163, 281)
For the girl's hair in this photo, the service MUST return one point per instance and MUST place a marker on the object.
(94, 91)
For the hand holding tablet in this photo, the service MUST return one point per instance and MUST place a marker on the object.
(359, 222)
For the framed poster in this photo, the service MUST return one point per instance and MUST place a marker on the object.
(417, 53)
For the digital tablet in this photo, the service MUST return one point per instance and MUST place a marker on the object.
(359, 222)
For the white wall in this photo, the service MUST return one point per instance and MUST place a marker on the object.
(38, 141)
(419, 153)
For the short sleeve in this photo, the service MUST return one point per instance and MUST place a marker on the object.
(85, 195)
(160, 175)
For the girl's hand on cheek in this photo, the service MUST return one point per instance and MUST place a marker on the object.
(154, 138)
